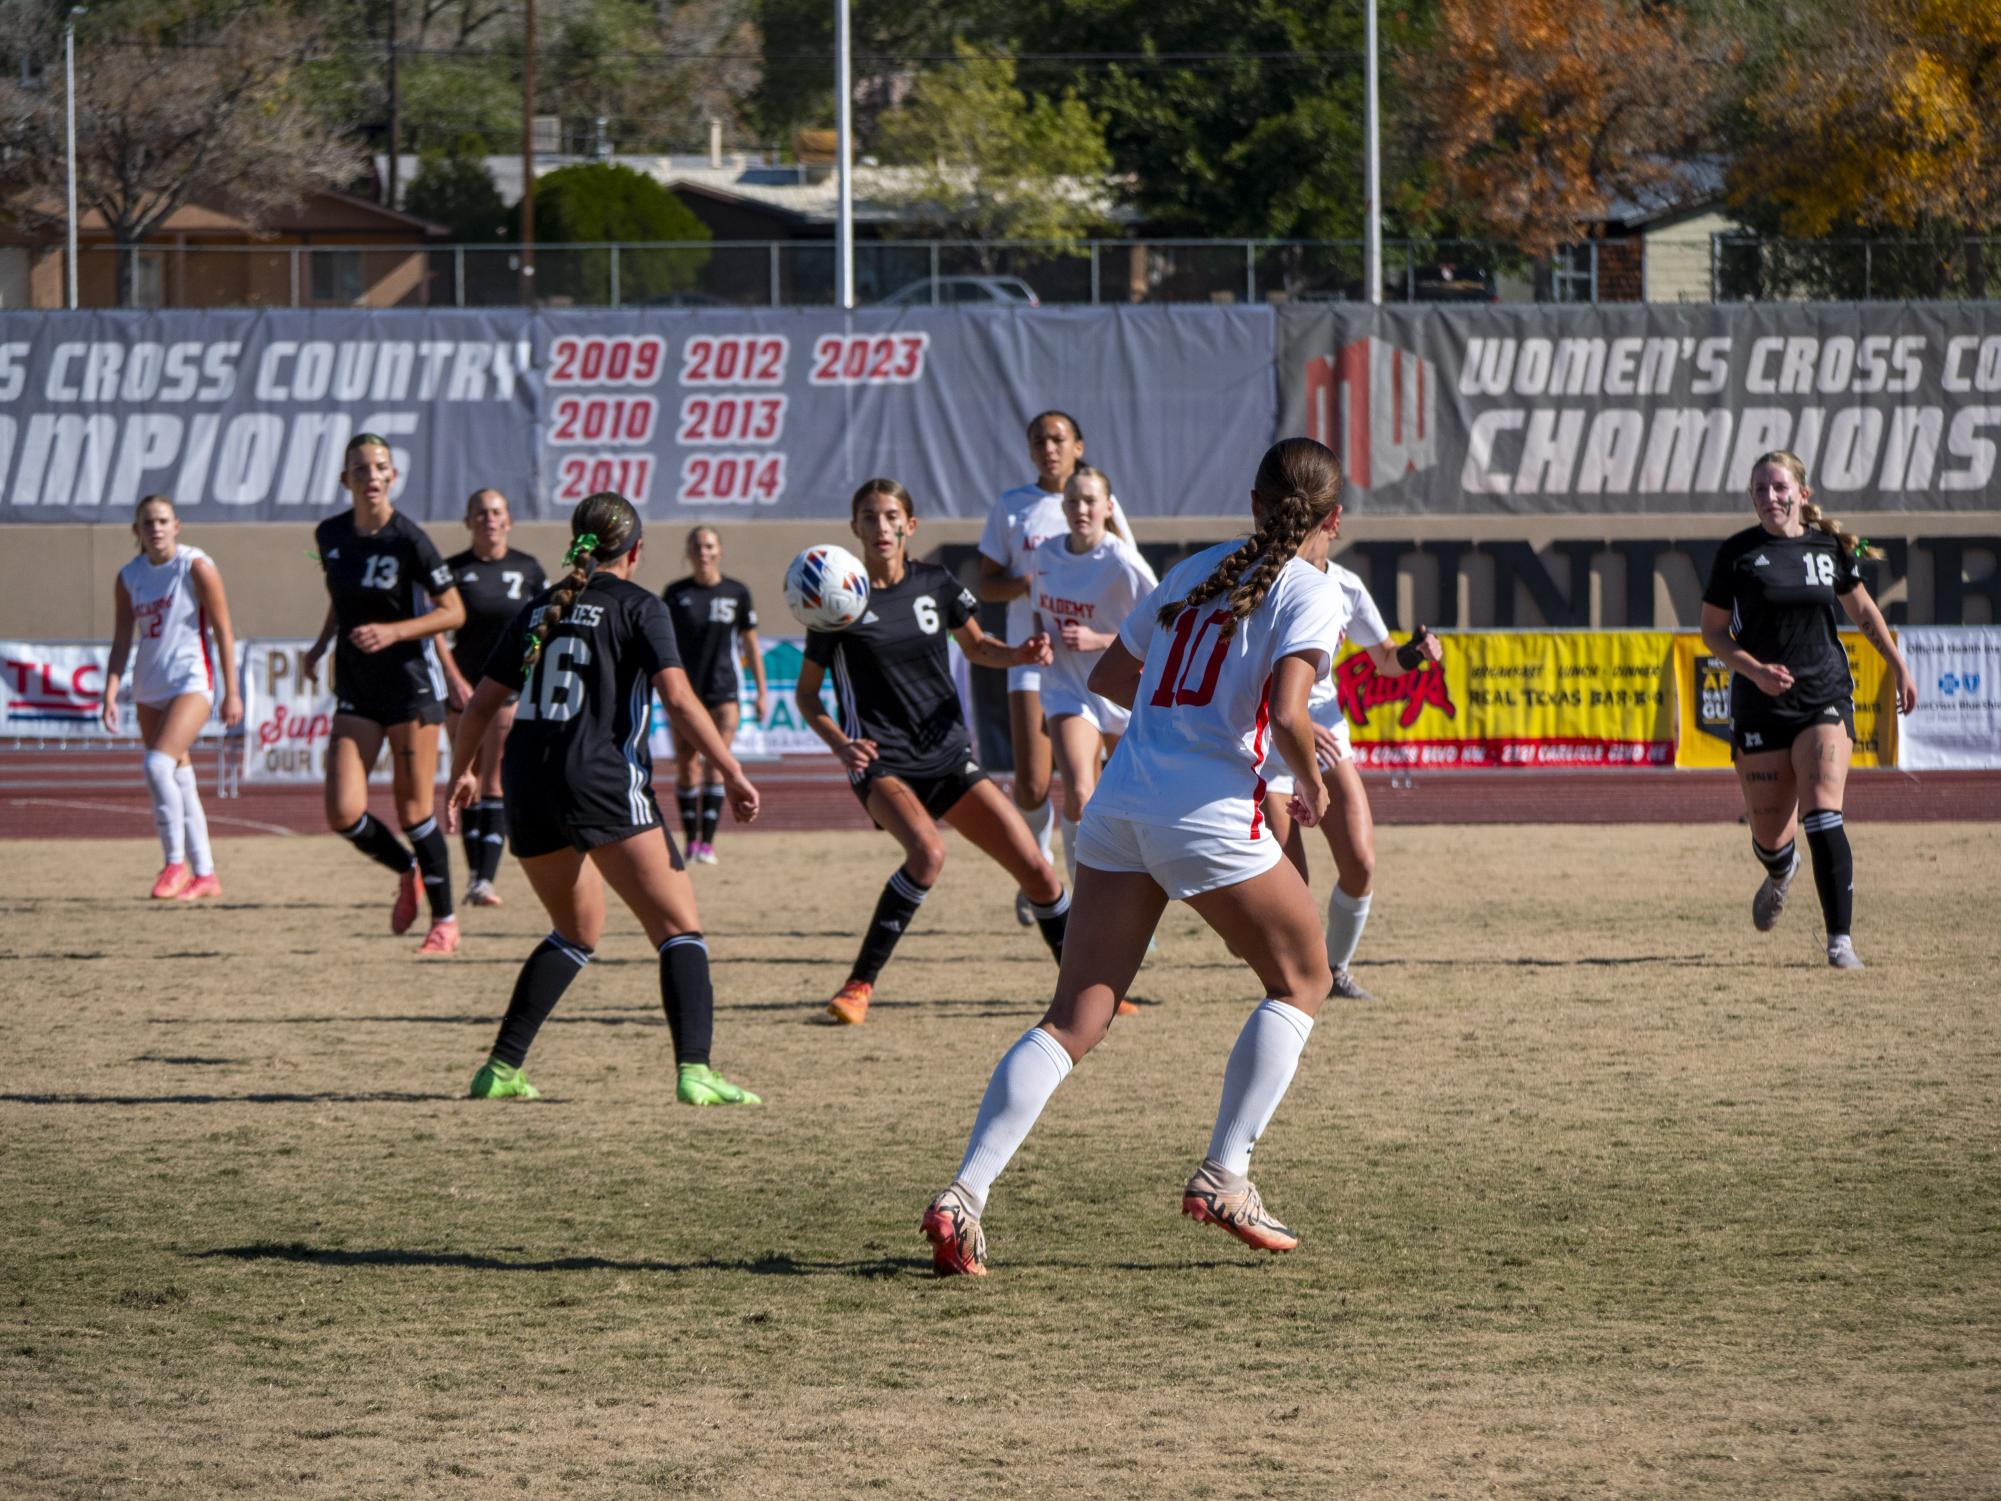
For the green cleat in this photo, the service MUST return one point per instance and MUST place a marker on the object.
(496, 1081)
(701, 1085)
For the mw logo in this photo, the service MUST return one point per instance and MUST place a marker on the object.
(1377, 407)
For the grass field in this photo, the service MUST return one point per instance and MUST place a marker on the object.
(1609, 1196)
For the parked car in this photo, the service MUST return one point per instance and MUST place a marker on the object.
(1440, 281)
(939, 291)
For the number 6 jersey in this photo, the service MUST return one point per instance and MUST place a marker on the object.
(1782, 594)
(579, 737)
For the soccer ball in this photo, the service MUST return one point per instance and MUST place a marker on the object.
(826, 588)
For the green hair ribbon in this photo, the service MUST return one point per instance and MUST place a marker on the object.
(585, 544)
(1861, 547)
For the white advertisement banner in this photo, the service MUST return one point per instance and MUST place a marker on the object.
(54, 690)
(1957, 726)
(288, 718)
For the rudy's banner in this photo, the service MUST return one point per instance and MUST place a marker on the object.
(1516, 699)
(1702, 705)
(1957, 724)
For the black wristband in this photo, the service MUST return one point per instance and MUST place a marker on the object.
(1410, 656)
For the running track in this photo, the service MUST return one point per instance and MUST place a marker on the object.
(98, 794)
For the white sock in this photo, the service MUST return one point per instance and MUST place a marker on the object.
(1346, 917)
(195, 821)
(1254, 1081)
(1069, 846)
(1042, 824)
(166, 806)
(1023, 1081)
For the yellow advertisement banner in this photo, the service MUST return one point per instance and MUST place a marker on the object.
(1702, 704)
(1517, 699)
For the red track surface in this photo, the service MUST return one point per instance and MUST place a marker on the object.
(98, 794)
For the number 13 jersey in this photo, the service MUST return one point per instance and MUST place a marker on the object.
(1782, 594)
(578, 745)
(1195, 753)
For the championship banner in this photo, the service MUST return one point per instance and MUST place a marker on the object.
(1702, 705)
(1957, 724)
(54, 690)
(693, 415)
(288, 717)
(1647, 407)
(1516, 699)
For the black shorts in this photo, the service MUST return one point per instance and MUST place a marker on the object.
(937, 793)
(1754, 729)
(401, 705)
(541, 826)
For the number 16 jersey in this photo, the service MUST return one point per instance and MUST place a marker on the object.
(578, 746)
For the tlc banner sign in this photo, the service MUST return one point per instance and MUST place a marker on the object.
(1649, 406)
(54, 690)
(1517, 699)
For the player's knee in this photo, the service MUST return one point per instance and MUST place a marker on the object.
(926, 862)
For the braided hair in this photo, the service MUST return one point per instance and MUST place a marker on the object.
(604, 526)
(1811, 514)
(1298, 486)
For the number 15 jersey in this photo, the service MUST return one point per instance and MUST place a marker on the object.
(578, 745)
(1195, 753)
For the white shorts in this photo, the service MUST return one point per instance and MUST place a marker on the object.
(1106, 717)
(1024, 679)
(160, 695)
(1280, 780)
(1184, 863)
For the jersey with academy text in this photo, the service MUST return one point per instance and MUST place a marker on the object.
(494, 592)
(1021, 521)
(1195, 752)
(709, 622)
(375, 580)
(893, 674)
(1097, 589)
(1783, 597)
(579, 735)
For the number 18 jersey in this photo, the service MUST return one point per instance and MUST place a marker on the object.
(1783, 594)
(1195, 753)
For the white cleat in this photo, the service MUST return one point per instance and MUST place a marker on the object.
(1841, 953)
(1770, 900)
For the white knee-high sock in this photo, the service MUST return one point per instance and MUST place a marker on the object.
(195, 821)
(1346, 917)
(1069, 847)
(1023, 1081)
(1260, 1069)
(1042, 824)
(166, 806)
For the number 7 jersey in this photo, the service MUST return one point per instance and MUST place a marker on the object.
(1195, 754)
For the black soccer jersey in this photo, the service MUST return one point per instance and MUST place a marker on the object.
(377, 580)
(579, 736)
(493, 593)
(893, 673)
(708, 625)
(1782, 594)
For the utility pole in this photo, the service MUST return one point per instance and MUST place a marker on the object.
(1372, 188)
(395, 105)
(844, 228)
(528, 156)
(69, 109)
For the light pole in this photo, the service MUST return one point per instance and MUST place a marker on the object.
(69, 110)
(844, 228)
(1372, 186)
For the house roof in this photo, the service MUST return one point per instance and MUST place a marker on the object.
(316, 213)
(1690, 187)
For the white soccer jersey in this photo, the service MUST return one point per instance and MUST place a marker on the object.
(1365, 628)
(1097, 589)
(1195, 752)
(169, 627)
(1021, 521)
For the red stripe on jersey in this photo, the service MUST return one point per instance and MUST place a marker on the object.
(1258, 758)
(201, 635)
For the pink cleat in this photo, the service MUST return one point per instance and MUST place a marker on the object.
(173, 881)
(441, 940)
(200, 887)
(405, 911)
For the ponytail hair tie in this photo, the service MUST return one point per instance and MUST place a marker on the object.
(1861, 547)
(585, 545)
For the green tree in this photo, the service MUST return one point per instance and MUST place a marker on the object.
(984, 161)
(457, 191)
(600, 202)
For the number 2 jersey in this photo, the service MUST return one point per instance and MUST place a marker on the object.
(579, 737)
(377, 580)
(892, 672)
(1783, 595)
(1195, 753)
(493, 591)
(169, 628)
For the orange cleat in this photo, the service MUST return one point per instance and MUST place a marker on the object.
(1230, 1202)
(173, 881)
(441, 940)
(200, 887)
(405, 911)
(1127, 1008)
(849, 1007)
(958, 1244)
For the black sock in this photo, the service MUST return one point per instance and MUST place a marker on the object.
(472, 836)
(690, 799)
(712, 811)
(1053, 919)
(492, 838)
(687, 997)
(1833, 868)
(541, 983)
(899, 902)
(374, 840)
(434, 859)
(1778, 863)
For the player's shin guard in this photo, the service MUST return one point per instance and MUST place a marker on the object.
(472, 836)
(374, 840)
(1021, 1085)
(898, 904)
(687, 996)
(1053, 920)
(1346, 917)
(712, 811)
(167, 819)
(492, 838)
(1069, 845)
(434, 859)
(1833, 868)
(541, 983)
(1256, 1078)
(1041, 822)
(689, 799)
